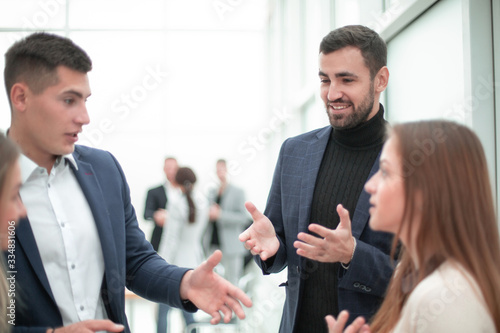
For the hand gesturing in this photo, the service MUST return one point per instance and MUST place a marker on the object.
(213, 294)
(332, 245)
(260, 238)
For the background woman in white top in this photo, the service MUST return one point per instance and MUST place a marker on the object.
(181, 238)
(433, 192)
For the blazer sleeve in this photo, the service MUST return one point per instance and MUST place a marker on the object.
(147, 274)
(20, 329)
(370, 269)
(273, 211)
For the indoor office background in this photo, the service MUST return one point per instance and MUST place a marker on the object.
(205, 79)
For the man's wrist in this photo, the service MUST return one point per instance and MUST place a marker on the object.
(346, 265)
(184, 286)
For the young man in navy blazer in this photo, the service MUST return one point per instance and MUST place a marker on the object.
(80, 245)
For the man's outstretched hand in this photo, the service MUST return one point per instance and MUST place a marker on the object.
(212, 293)
(260, 238)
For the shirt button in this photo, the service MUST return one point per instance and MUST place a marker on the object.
(73, 266)
(62, 224)
(48, 185)
(82, 307)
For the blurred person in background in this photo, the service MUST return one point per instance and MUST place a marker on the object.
(228, 218)
(182, 232)
(157, 199)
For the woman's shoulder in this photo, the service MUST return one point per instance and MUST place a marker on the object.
(449, 299)
(450, 277)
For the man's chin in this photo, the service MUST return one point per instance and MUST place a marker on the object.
(339, 122)
(68, 149)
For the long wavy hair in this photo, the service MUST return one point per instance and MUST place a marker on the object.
(444, 162)
(9, 154)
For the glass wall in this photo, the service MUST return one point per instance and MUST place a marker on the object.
(176, 78)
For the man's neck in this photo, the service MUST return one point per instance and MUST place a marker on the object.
(42, 160)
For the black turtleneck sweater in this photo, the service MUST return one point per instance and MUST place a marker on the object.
(347, 161)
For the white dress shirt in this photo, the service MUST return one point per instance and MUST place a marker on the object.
(66, 236)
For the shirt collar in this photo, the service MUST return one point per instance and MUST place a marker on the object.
(71, 158)
(28, 166)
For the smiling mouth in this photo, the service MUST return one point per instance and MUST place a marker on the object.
(339, 107)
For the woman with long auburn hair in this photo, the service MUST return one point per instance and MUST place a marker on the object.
(434, 193)
(11, 210)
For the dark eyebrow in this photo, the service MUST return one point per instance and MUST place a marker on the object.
(341, 74)
(344, 74)
(74, 92)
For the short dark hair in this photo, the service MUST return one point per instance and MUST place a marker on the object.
(373, 48)
(35, 59)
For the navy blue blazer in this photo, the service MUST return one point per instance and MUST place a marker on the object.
(361, 287)
(129, 259)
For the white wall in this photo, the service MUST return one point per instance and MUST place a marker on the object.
(441, 65)
(425, 63)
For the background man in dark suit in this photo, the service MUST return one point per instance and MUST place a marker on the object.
(81, 245)
(156, 201)
(317, 190)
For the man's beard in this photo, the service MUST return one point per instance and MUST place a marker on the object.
(358, 115)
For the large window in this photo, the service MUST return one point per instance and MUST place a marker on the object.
(180, 78)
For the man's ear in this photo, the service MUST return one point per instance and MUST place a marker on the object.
(19, 96)
(381, 79)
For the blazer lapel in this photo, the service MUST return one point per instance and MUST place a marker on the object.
(26, 240)
(361, 214)
(91, 188)
(313, 157)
